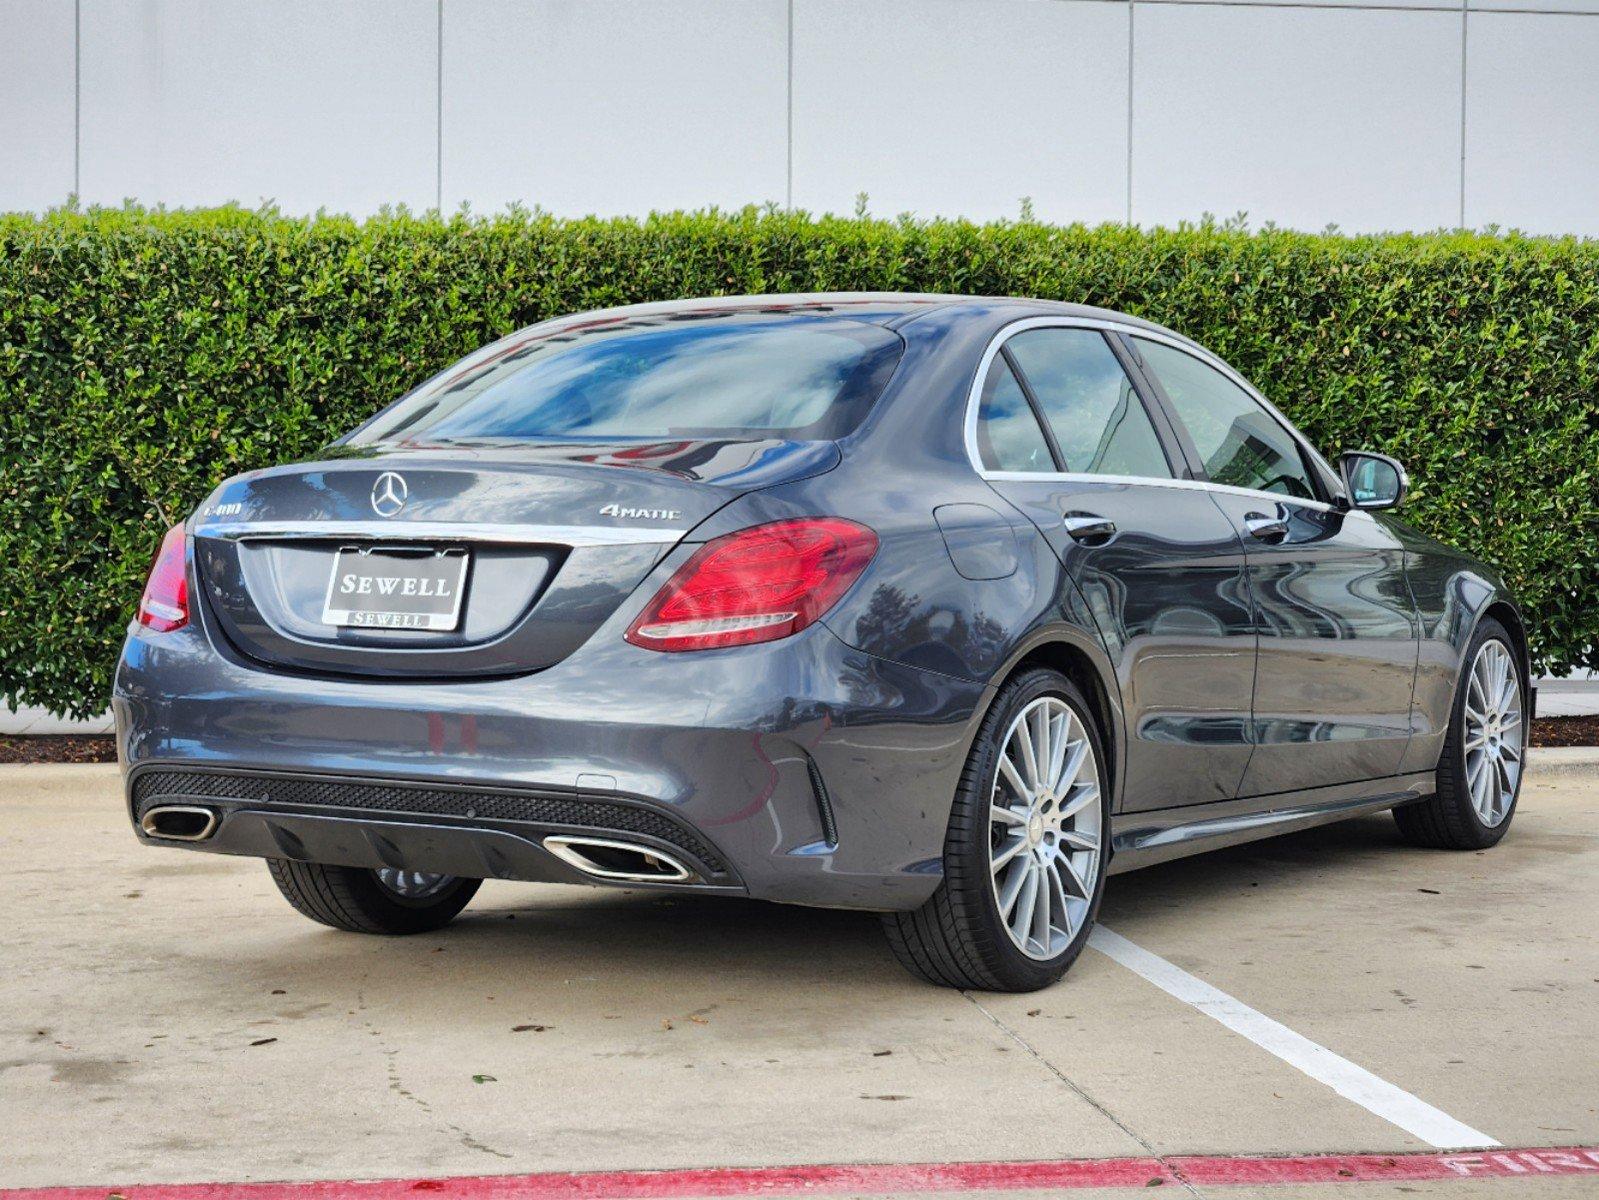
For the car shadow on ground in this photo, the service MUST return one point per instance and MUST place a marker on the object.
(1214, 881)
(643, 943)
(651, 931)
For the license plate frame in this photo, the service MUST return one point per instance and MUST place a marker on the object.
(432, 602)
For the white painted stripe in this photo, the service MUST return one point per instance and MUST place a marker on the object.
(1395, 1105)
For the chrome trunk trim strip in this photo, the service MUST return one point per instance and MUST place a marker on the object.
(441, 531)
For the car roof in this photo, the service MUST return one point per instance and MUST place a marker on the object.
(889, 309)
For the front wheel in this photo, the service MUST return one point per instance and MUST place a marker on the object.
(363, 901)
(1025, 856)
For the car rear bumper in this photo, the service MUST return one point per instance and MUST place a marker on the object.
(459, 829)
(802, 771)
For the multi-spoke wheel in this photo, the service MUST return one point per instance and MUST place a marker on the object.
(1494, 731)
(1479, 771)
(413, 885)
(1024, 861)
(1045, 828)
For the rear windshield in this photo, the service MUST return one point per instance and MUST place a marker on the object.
(730, 375)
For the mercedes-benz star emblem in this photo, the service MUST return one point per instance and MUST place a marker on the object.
(389, 493)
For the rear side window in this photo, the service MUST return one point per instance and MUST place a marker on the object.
(1008, 436)
(655, 376)
(1100, 425)
(1240, 444)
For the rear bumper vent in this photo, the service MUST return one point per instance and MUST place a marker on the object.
(824, 802)
(164, 787)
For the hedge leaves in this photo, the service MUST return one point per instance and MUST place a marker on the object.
(146, 355)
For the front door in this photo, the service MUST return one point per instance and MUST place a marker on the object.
(1338, 637)
(1064, 436)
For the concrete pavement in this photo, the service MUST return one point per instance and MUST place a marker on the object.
(165, 1016)
(1577, 696)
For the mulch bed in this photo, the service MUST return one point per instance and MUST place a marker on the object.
(101, 748)
(1565, 731)
(58, 748)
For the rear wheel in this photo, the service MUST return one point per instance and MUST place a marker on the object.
(1479, 772)
(1024, 859)
(363, 901)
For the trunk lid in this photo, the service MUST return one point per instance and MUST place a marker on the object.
(545, 541)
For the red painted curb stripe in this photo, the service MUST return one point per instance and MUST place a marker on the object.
(1066, 1174)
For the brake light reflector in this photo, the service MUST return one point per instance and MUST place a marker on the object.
(757, 585)
(165, 604)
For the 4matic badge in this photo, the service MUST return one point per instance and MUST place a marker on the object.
(642, 514)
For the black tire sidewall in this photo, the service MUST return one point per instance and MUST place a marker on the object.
(1015, 970)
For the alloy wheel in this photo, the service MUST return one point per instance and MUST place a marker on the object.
(413, 885)
(1494, 732)
(1045, 828)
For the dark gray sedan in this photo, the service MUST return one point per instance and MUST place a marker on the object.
(943, 608)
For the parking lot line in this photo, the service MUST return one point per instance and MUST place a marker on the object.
(1393, 1104)
(1253, 1171)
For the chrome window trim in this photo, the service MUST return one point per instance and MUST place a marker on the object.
(441, 531)
(974, 403)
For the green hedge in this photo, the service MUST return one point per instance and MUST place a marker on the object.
(145, 355)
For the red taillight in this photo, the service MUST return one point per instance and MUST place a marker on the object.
(756, 585)
(165, 604)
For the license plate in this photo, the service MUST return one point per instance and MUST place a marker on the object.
(380, 589)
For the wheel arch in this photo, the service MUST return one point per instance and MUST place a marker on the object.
(1508, 615)
(1501, 608)
(1082, 661)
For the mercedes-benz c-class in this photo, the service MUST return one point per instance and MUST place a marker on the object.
(943, 608)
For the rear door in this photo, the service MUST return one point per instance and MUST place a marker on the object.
(1338, 636)
(1061, 431)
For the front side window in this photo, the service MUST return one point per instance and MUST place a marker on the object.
(1239, 442)
(654, 376)
(1099, 423)
(1008, 436)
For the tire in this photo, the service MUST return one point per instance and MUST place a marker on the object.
(958, 937)
(356, 899)
(1452, 818)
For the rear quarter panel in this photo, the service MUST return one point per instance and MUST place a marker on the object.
(1452, 591)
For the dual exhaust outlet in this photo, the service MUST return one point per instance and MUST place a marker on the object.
(599, 858)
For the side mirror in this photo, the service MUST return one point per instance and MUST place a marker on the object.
(1372, 480)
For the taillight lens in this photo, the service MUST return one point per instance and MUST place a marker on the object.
(165, 604)
(756, 585)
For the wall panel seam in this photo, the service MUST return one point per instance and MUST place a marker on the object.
(438, 114)
(77, 98)
(788, 193)
(1132, 9)
(1464, 17)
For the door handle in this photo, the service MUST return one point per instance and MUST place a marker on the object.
(1089, 527)
(1264, 528)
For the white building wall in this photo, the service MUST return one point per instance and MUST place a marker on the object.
(962, 107)
(305, 102)
(1304, 116)
(1404, 114)
(614, 107)
(38, 107)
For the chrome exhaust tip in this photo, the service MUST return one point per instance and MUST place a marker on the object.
(179, 822)
(619, 862)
